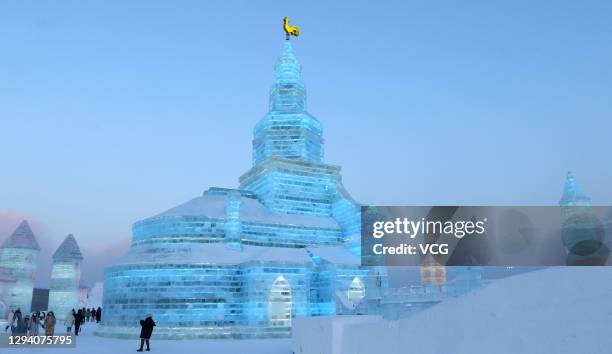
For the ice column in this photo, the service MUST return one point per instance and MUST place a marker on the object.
(233, 227)
(65, 277)
(19, 254)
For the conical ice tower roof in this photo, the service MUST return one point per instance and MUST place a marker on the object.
(68, 251)
(22, 237)
(288, 68)
(572, 194)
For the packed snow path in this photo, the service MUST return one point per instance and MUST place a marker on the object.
(87, 343)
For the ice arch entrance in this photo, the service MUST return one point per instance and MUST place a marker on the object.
(279, 303)
(356, 291)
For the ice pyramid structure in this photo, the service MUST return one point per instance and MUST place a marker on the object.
(22, 237)
(19, 259)
(242, 263)
(68, 251)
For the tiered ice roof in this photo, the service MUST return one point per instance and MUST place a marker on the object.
(68, 251)
(218, 253)
(212, 204)
(22, 237)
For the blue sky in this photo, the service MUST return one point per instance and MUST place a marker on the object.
(112, 111)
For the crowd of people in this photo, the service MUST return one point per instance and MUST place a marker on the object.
(77, 318)
(30, 325)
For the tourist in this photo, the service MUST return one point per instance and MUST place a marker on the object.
(26, 325)
(82, 315)
(50, 324)
(146, 331)
(78, 321)
(98, 314)
(17, 324)
(87, 315)
(34, 324)
(9, 320)
(69, 321)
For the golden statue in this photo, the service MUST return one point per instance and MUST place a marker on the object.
(290, 30)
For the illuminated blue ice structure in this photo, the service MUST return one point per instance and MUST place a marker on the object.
(241, 263)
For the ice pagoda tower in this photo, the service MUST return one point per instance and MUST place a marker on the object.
(573, 200)
(573, 196)
(19, 255)
(65, 278)
(243, 262)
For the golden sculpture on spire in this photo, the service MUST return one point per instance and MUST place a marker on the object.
(290, 30)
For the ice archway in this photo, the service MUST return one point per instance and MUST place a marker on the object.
(356, 291)
(279, 303)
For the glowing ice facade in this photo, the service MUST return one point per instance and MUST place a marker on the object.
(65, 278)
(243, 262)
(19, 260)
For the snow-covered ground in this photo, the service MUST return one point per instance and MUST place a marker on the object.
(87, 343)
(556, 310)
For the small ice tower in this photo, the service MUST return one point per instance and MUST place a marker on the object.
(19, 254)
(65, 277)
(573, 199)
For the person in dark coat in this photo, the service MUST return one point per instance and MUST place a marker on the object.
(27, 325)
(78, 321)
(18, 326)
(146, 331)
(34, 324)
(98, 314)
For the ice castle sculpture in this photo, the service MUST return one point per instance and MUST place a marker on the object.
(65, 278)
(243, 262)
(18, 263)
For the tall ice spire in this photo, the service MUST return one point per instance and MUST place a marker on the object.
(288, 94)
(572, 193)
(287, 130)
(288, 68)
